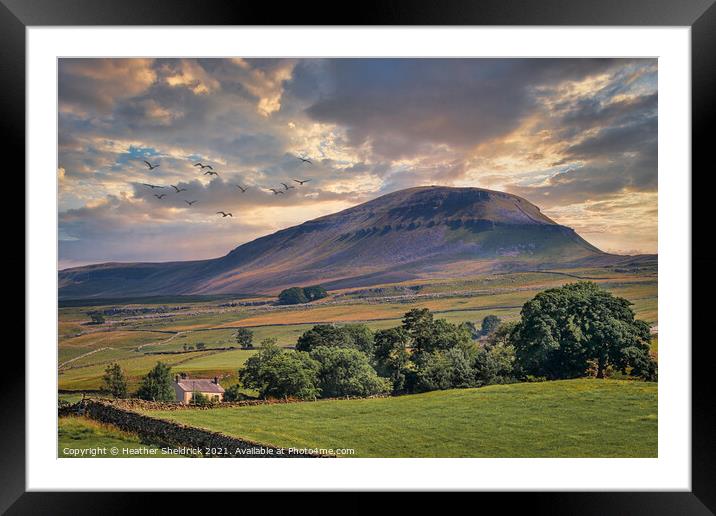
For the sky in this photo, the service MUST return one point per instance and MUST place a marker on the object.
(576, 137)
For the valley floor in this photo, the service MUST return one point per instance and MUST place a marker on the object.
(133, 331)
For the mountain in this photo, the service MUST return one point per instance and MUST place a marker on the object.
(423, 232)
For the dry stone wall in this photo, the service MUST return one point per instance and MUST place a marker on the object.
(176, 435)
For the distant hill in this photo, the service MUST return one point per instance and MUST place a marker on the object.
(423, 232)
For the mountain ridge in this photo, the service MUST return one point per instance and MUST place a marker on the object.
(428, 231)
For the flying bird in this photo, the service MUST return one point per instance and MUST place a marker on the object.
(151, 167)
(241, 188)
(224, 214)
(211, 173)
(276, 192)
(305, 160)
(286, 186)
(300, 182)
(189, 202)
(152, 186)
(160, 196)
(178, 189)
(203, 166)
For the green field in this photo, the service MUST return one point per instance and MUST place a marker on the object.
(79, 433)
(570, 418)
(85, 350)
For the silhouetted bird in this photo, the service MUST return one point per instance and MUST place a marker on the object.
(160, 196)
(152, 186)
(305, 160)
(241, 188)
(151, 167)
(276, 192)
(178, 189)
(300, 182)
(211, 173)
(287, 187)
(203, 166)
(189, 202)
(224, 214)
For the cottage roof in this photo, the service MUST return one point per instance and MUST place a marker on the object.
(199, 385)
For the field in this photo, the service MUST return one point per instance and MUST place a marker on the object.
(570, 418)
(133, 330)
(79, 433)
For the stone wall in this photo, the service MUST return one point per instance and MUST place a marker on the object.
(176, 435)
(137, 404)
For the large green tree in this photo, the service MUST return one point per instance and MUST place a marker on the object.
(564, 329)
(428, 334)
(157, 384)
(346, 372)
(356, 336)
(277, 373)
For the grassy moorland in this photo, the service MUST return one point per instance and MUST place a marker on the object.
(77, 433)
(569, 418)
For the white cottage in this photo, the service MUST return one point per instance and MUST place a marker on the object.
(185, 388)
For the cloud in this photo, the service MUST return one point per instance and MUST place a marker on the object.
(88, 86)
(566, 134)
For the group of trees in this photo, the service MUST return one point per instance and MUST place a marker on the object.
(311, 372)
(573, 331)
(299, 295)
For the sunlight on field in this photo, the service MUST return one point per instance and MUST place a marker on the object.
(570, 418)
(85, 350)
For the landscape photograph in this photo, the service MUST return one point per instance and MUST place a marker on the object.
(357, 258)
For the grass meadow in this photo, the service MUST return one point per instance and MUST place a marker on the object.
(570, 418)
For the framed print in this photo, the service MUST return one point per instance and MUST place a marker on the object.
(441, 249)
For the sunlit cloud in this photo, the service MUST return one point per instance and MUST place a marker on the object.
(578, 137)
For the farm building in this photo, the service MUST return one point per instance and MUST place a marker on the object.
(184, 388)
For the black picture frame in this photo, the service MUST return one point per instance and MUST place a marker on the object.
(700, 15)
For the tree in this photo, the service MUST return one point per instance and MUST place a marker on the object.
(314, 292)
(297, 295)
(200, 345)
(418, 324)
(157, 384)
(245, 338)
(563, 329)
(292, 296)
(277, 373)
(494, 362)
(490, 324)
(346, 372)
(444, 369)
(428, 335)
(97, 317)
(114, 381)
(233, 393)
(391, 356)
(356, 336)
(197, 398)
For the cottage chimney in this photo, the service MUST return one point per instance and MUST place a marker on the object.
(216, 380)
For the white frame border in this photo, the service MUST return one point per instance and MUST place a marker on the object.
(671, 471)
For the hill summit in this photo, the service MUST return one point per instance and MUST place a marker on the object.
(422, 232)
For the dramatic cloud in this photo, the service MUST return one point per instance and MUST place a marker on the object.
(578, 137)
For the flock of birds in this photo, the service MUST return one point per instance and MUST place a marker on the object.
(211, 172)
